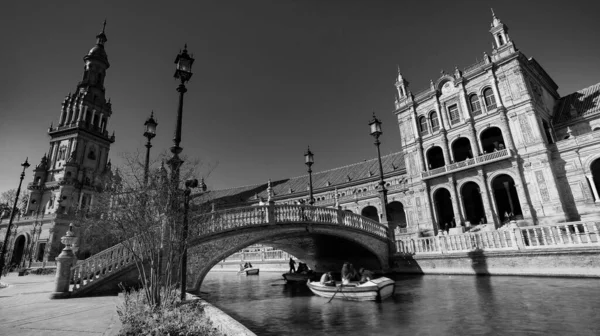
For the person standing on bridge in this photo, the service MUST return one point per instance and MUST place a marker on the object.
(292, 266)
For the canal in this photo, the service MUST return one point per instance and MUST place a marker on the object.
(421, 305)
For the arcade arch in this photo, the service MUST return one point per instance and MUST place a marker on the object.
(444, 209)
(461, 149)
(396, 214)
(507, 201)
(18, 250)
(595, 180)
(473, 204)
(492, 140)
(435, 157)
(370, 212)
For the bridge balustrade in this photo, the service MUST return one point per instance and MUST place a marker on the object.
(228, 219)
(565, 234)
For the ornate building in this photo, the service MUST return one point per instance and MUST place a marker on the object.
(72, 172)
(484, 145)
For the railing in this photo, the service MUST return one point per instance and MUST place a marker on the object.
(104, 263)
(568, 234)
(229, 219)
(258, 255)
(576, 234)
(473, 67)
(474, 162)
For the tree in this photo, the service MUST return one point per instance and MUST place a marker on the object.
(145, 217)
(7, 200)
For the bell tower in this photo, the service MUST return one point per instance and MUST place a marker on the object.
(502, 45)
(77, 161)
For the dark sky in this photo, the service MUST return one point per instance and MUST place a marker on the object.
(270, 77)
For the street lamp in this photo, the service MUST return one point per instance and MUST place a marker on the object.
(189, 184)
(376, 132)
(25, 165)
(149, 133)
(183, 72)
(309, 159)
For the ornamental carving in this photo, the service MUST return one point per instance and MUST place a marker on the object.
(541, 182)
(526, 129)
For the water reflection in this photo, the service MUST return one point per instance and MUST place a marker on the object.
(421, 305)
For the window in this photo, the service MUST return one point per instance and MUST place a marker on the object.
(490, 100)
(500, 40)
(435, 124)
(423, 126)
(475, 105)
(453, 114)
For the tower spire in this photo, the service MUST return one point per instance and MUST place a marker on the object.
(104, 25)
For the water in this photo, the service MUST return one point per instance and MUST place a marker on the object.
(421, 305)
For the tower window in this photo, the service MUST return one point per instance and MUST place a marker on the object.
(435, 124)
(453, 114)
(490, 100)
(500, 40)
(475, 105)
(423, 126)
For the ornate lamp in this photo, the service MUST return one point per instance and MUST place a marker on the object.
(309, 159)
(183, 68)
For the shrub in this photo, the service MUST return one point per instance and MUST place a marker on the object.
(139, 318)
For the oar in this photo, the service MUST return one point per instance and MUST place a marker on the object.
(341, 285)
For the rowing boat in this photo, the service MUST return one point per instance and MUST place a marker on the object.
(250, 271)
(299, 277)
(373, 290)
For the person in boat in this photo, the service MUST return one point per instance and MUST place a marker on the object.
(327, 279)
(249, 265)
(292, 266)
(242, 267)
(365, 275)
(348, 273)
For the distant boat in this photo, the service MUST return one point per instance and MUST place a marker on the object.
(250, 271)
(374, 290)
(300, 277)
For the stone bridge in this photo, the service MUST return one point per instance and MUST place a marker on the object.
(322, 237)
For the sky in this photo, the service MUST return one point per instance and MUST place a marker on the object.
(270, 77)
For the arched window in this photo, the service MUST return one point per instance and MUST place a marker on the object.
(423, 126)
(500, 40)
(475, 105)
(490, 100)
(435, 124)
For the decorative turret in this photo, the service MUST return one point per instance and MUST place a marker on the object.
(401, 86)
(500, 33)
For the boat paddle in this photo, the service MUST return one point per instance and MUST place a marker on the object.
(341, 285)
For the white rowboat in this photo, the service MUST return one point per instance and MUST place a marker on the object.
(374, 290)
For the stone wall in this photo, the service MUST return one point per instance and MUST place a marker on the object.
(582, 262)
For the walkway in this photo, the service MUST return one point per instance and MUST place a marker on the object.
(25, 309)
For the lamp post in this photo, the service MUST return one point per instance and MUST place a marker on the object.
(149, 133)
(309, 160)
(25, 165)
(189, 184)
(183, 72)
(376, 132)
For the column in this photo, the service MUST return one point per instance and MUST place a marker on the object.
(54, 154)
(61, 120)
(441, 114)
(82, 112)
(420, 154)
(458, 217)
(520, 186)
(414, 123)
(494, 83)
(69, 147)
(506, 133)
(590, 178)
(92, 118)
(463, 103)
(74, 149)
(445, 150)
(487, 200)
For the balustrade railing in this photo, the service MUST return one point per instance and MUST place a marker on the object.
(103, 263)
(223, 220)
(476, 161)
(576, 234)
(566, 234)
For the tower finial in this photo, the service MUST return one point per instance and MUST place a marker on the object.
(104, 26)
(493, 14)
